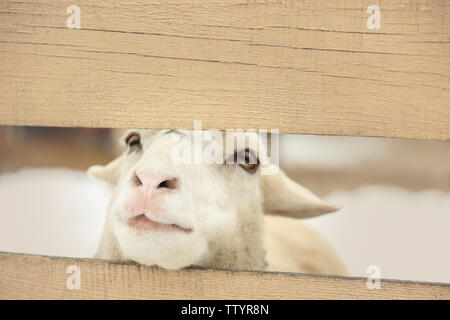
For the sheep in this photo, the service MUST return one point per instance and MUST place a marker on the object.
(210, 215)
(292, 246)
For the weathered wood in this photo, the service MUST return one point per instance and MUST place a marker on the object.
(300, 66)
(37, 277)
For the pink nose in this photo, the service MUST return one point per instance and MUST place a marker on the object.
(154, 182)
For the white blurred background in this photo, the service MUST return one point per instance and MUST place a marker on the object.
(395, 196)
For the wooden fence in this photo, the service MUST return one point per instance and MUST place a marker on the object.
(36, 277)
(312, 67)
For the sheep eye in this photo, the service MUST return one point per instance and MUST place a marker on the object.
(250, 167)
(133, 142)
(247, 160)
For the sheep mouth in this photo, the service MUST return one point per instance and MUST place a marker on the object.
(142, 222)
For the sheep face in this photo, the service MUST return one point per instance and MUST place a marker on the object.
(179, 214)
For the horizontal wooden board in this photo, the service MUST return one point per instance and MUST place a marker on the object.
(297, 65)
(37, 277)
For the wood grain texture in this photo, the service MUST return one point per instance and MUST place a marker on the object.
(37, 277)
(298, 65)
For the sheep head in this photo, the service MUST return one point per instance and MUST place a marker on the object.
(176, 215)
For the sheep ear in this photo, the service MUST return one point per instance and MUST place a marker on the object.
(110, 172)
(284, 197)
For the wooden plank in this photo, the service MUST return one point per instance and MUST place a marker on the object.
(300, 66)
(37, 277)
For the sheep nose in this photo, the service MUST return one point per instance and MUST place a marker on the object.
(154, 182)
